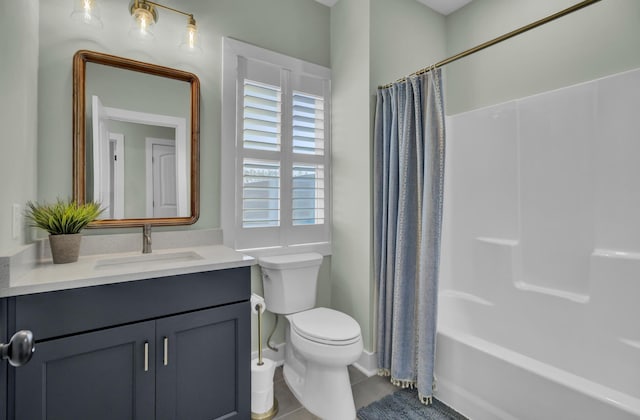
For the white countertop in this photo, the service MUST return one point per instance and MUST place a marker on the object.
(95, 270)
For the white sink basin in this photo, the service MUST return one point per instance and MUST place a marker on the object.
(147, 260)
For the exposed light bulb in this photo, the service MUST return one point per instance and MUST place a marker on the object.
(191, 35)
(190, 42)
(143, 22)
(87, 12)
(143, 18)
(87, 5)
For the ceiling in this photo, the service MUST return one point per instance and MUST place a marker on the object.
(441, 6)
(445, 6)
(327, 2)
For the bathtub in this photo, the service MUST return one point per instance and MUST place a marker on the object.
(539, 303)
(487, 369)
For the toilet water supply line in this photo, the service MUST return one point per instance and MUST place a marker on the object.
(273, 331)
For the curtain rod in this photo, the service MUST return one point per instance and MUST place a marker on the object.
(497, 40)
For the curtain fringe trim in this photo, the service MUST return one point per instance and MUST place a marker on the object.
(384, 372)
(424, 399)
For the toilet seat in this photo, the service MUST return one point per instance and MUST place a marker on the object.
(325, 326)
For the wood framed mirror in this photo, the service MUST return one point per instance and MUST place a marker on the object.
(136, 141)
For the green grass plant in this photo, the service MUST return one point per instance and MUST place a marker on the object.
(62, 217)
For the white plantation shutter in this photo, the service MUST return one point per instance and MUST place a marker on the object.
(260, 193)
(307, 194)
(261, 116)
(282, 195)
(308, 124)
(308, 179)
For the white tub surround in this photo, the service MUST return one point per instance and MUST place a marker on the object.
(539, 288)
(106, 259)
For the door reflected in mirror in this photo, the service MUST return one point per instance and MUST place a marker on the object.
(136, 144)
(140, 167)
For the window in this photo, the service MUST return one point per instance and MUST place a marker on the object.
(276, 127)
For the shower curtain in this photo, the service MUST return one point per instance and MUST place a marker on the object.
(409, 147)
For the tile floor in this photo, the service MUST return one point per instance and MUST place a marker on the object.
(365, 391)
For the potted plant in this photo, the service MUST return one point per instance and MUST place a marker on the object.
(63, 220)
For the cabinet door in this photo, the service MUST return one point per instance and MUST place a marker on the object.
(97, 375)
(205, 372)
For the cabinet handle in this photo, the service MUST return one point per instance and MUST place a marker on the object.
(166, 351)
(146, 356)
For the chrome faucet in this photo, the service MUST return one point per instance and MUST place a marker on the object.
(146, 239)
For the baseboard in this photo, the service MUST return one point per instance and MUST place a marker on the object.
(276, 356)
(367, 363)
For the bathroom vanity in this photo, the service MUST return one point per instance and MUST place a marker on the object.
(135, 341)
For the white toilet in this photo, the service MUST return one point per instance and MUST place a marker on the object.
(321, 342)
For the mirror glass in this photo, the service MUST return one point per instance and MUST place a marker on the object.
(135, 140)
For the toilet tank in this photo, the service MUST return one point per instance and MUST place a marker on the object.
(290, 281)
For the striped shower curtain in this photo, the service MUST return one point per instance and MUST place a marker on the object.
(409, 147)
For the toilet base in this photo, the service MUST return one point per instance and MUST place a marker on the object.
(325, 391)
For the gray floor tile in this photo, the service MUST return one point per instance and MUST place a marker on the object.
(300, 414)
(277, 376)
(355, 375)
(371, 389)
(287, 402)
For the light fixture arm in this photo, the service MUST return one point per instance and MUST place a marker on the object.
(190, 15)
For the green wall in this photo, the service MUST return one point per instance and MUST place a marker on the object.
(405, 36)
(593, 42)
(350, 156)
(134, 91)
(18, 111)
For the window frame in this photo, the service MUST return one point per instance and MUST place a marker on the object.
(287, 238)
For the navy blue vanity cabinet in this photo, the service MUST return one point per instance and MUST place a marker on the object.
(166, 348)
(98, 375)
(191, 375)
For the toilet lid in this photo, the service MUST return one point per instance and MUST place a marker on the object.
(325, 325)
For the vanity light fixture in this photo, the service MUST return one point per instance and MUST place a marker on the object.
(87, 11)
(145, 14)
(190, 41)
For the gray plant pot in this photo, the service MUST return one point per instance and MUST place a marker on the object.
(65, 248)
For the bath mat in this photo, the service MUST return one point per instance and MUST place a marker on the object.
(404, 405)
